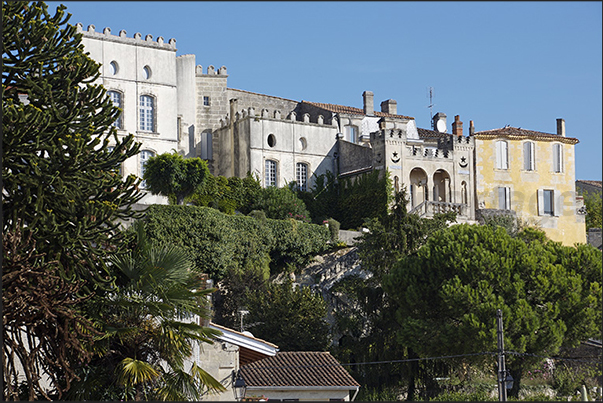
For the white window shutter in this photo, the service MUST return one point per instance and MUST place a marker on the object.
(558, 204)
(532, 157)
(501, 198)
(505, 155)
(540, 202)
(508, 198)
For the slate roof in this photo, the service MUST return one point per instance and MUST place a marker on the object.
(297, 368)
(517, 133)
(351, 110)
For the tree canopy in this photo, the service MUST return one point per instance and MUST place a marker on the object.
(447, 294)
(174, 176)
(63, 195)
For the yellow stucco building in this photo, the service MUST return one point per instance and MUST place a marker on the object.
(533, 174)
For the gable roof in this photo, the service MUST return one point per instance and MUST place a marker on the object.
(351, 110)
(517, 133)
(298, 369)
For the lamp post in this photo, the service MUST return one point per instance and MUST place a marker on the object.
(502, 372)
(238, 386)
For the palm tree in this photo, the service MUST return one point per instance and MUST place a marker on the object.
(150, 324)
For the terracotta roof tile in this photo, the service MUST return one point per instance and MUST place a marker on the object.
(427, 133)
(519, 133)
(299, 368)
(351, 110)
(598, 184)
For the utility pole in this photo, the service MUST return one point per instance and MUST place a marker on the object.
(502, 372)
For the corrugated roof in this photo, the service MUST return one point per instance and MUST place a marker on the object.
(519, 133)
(351, 110)
(298, 368)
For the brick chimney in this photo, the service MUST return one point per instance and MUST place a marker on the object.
(471, 128)
(457, 126)
(367, 97)
(390, 106)
(561, 127)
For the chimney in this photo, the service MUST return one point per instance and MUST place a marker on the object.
(367, 97)
(390, 106)
(457, 126)
(439, 122)
(471, 128)
(561, 127)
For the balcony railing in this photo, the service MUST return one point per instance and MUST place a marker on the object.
(430, 208)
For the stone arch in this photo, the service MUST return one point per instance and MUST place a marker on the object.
(441, 186)
(417, 191)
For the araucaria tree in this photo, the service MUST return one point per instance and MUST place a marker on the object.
(62, 195)
(448, 292)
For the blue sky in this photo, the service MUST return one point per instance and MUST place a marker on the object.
(523, 64)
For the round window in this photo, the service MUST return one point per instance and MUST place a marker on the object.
(114, 68)
(146, 72)
(271, 140)
(303, 143)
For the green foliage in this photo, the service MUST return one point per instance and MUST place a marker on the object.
(550, 295)
(281, 203)
(291, 318)
(61, 184)
(365, 313)
(592, 202)
(217, 242)
(227, 194)
(349, 201)
(174, 176)
(478, 396)
(147, 336)
(333, 229)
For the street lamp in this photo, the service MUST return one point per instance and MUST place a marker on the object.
(238, 386)
(509, 381)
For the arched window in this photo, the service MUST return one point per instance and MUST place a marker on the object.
(117, 100)
(502, 155)
(144, 157)
(557, 157)
(147, 113)
(270, 173)
(464, 192)
(301, 174)
(528, 156)
(113, 68)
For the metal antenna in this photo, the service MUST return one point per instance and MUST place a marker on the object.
(430, 106)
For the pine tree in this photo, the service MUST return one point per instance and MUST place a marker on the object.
(62, 193)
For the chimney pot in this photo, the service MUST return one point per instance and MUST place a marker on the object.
(561, 127)
(367, 97)
(457, 126)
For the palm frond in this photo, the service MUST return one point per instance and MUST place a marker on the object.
(132, 372)
(208, 381)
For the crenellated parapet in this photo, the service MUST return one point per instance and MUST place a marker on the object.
(122, 37)
(268, 114)
(211, 71)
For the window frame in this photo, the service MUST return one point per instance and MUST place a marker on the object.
(119, 123)
(351, 133)
(529, 161)
(502, 154)
(504, 198)
(146, 113)
(552, 197)
(143, 161)
(302, 183)
(270, 172)
(557, 158)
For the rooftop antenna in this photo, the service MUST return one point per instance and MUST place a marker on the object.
(430, 106)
